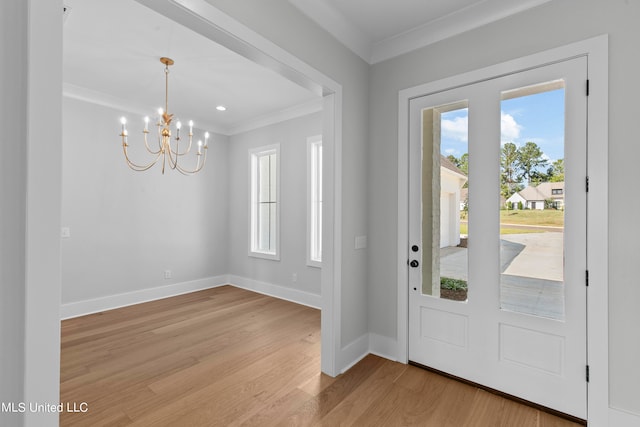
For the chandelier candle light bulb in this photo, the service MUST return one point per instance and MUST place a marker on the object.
(169, 151)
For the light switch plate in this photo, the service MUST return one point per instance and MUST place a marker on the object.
(361, 242)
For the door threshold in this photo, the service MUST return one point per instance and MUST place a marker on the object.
(517, 399)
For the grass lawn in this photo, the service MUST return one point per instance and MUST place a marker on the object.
(547, 217)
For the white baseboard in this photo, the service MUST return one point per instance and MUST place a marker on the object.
(352, 353)
(277, 291)
(620, 418)
(383, 346)
(81, 308)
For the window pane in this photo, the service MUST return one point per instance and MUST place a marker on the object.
(264, 176)
(532, 194)
(319, 171)
(315, 199)
(264, 222)
(445, 162)
(318, 239)
(272, 226)
(272, 178)
(264, 218)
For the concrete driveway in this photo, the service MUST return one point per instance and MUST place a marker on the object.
(533, 255)
(532, 272)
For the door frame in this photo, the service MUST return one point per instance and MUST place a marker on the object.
(214, 24)
(596, 51)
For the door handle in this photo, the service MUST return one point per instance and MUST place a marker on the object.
(414, 263)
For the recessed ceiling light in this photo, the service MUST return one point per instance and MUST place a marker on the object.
(221, 108)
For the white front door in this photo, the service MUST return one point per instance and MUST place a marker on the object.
(522, 327)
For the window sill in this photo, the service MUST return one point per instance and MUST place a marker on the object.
(265, 255)
(315, 264)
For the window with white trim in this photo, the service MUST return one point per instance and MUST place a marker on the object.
(265, 202)
(314, 201)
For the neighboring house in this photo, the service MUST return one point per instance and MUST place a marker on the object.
(451, 181)
(534, 197)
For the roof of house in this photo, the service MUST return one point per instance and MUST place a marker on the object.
(543, 191)
(448, 164)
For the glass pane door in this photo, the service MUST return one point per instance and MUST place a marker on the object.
(532, 195)
(445, 167)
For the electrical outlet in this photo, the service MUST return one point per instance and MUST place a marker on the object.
(294, 277)
(167, 274)
(65, 232)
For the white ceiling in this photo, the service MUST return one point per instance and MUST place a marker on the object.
(111, 57)
(112, 50)
(381, 29)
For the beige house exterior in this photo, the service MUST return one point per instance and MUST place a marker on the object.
(534, 197)
(451, 181)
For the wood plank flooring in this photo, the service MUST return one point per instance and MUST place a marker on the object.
(230, 357)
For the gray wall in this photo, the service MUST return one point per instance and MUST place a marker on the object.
(550, 25)
(292, 137)
(128, 227)
(283, 24)
(30, 214)
(13, 158)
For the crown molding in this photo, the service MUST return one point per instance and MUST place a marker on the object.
(277, 117)
(100, 98)
(463, 20)
(460, 21)
(334, 22)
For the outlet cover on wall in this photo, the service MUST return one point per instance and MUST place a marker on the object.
(167, 274)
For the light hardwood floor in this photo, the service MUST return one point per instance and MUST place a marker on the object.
(227, 357)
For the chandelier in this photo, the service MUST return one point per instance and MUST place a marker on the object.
(168, 151)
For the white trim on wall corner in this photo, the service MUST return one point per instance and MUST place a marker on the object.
(618, 417)
(277, 291)
(352, 353)
(110, 302)
(383, 346)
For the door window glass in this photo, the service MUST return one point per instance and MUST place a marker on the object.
(445, 168)
(532, 194)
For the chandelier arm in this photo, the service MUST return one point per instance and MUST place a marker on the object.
(146, 144)
(199, 165)
(159, 125)
(134, 166)
(184, 153)
(173, 162)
